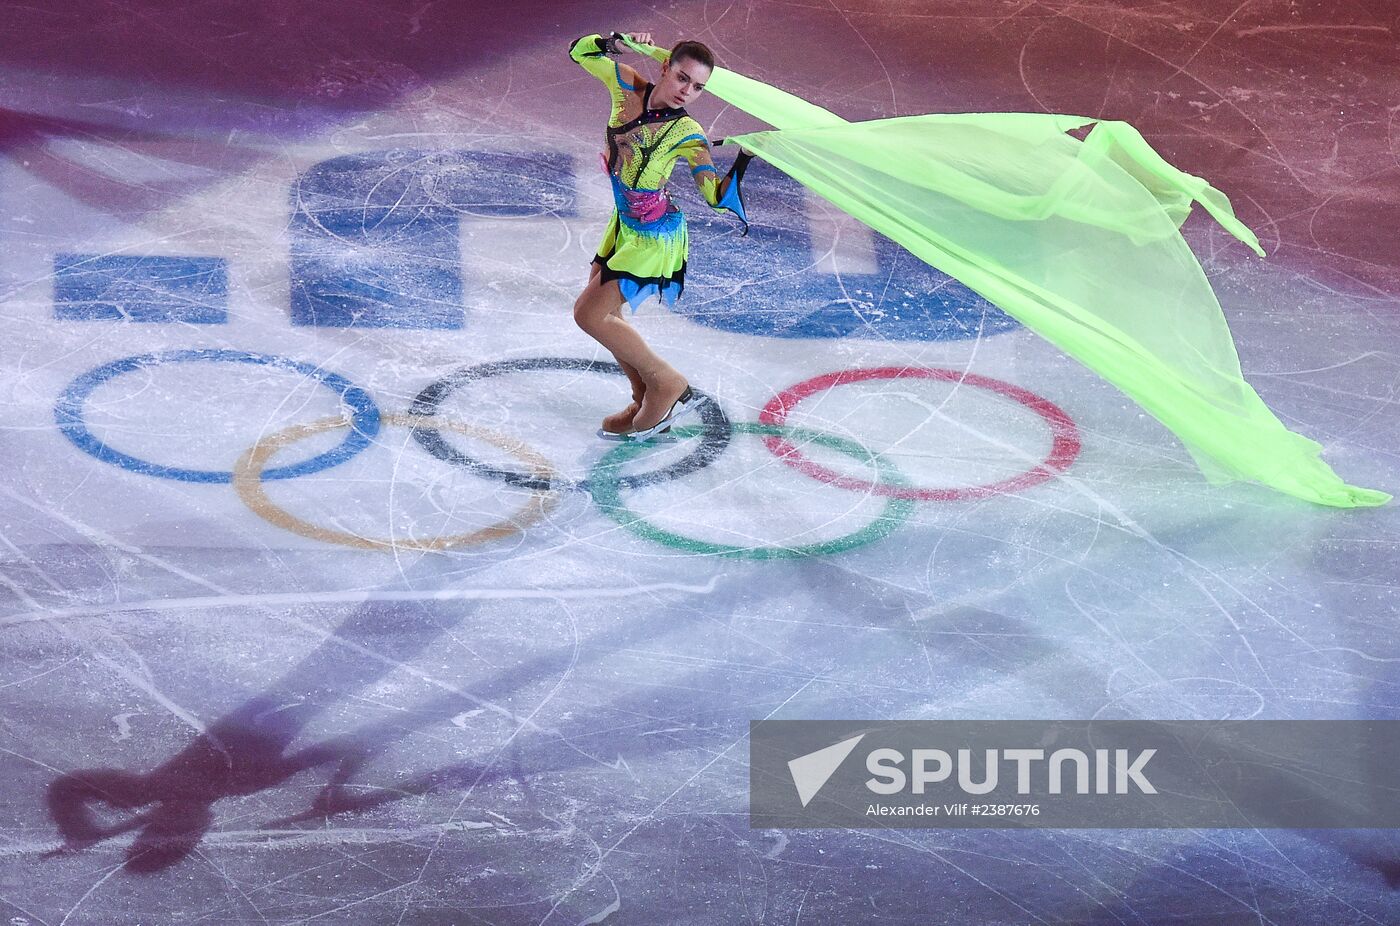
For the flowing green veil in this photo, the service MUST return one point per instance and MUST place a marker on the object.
(1079, 240)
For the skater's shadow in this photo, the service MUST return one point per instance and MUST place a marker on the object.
(250, 749)
(241, 754)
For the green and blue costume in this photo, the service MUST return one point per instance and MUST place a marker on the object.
(645, 244)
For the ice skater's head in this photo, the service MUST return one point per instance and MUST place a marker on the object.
(684, 76)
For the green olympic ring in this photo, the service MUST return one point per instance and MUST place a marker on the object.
(606, 476)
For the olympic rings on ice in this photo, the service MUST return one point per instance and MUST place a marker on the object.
(248, 476)
(1064, 448)
(364, 420)
(606, 481)
(607, 495)
(714, 434)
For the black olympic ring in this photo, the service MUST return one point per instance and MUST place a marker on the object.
(714, 437)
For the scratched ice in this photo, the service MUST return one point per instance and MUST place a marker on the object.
(322, 603)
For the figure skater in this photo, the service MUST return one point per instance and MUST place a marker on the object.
(644, 247)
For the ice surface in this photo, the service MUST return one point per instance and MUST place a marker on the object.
(225, 226)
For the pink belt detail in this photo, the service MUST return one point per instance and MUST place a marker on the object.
(647, 207)
(642, 206)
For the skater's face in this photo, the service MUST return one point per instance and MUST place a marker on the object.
(681, 82)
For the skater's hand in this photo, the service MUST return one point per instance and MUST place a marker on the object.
(641, 38)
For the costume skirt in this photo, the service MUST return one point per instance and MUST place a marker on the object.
(646, 258)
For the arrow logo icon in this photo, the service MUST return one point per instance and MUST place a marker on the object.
(812, 771)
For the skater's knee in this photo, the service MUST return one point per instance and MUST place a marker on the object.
(592, 310)
(595, 304)
(587, 316)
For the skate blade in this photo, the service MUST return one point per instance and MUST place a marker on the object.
(661, 438)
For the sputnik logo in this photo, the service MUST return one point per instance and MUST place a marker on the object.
(812, 771)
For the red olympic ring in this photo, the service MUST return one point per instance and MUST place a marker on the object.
(1063, 450)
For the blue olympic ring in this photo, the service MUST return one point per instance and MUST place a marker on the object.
(364, 422)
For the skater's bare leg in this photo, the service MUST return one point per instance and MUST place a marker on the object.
(620, 422)
(639, 386)
(598, 312)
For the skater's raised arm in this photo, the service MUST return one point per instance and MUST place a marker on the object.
(591, 53)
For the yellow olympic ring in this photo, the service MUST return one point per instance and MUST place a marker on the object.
(247, 482)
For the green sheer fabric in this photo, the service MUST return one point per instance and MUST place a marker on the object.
(1077, 240)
